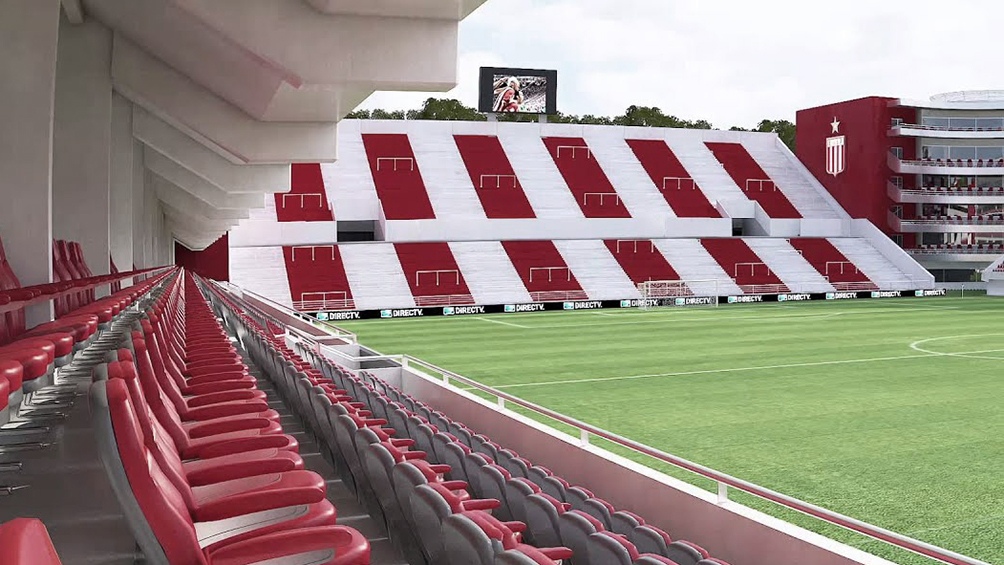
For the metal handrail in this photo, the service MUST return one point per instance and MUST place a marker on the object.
(723, 480)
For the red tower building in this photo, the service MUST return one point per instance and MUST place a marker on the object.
(928, 173)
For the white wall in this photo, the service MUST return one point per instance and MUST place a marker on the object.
(82, 140)
(29, 29)
(120, 205)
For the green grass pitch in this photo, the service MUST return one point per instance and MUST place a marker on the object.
(889, 411)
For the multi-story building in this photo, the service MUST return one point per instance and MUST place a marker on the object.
(928, 173)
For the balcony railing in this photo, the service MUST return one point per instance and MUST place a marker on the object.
(966, 249)
(946, 128)
(956, 163)
(957, 220)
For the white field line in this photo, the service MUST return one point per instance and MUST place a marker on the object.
(918, 355)
(916, 346)
(510, 324)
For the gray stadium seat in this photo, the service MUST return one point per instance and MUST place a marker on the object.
(542, 513)
(575, 527)
(649, 539)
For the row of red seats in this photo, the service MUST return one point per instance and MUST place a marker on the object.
(202, 468)
(69, 275)
(28, 362)
(425, 495)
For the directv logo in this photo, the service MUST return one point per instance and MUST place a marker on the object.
(322, 316)
(509, 308)
(569, 306)
(830, 296)
(448, 311)
(732, 300)
(386, 313)
(625, 303)
(681, 302)
(918, 293)
(782, 298)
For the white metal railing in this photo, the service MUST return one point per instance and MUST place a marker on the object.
(550, 271)
(313, 251)
(303, 198)
(760, 184)
(752, 267)
(634, 244)
(498, 181)
(395, 160)
(602, 197)
(679, 183)
(558, 295)
(952, 163)
(946, 128)
(974, 249)
(573, 149)
(842, 265)
(318, 301)
(445, 300)
(439, 273)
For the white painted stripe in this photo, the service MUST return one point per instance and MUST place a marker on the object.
(503, 323)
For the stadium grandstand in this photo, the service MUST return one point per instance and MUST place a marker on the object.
(189, 220)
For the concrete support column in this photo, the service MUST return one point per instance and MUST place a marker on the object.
(29, 29)
(82, 140)
(140, 229)
(120, 206)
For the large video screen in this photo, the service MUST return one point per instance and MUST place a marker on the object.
(518, 91)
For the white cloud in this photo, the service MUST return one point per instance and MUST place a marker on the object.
(732, 62)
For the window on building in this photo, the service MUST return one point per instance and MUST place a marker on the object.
(963, 123)
(963, 153)
(989, 124)
(897, 151)
(935, 152)
(897, 211)
(897, 122)
(941, 123)
(897, 181)
(989, 153)
(898, 239)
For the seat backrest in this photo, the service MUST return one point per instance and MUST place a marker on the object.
(491, 480)
(516, 491)
(428, 510)
(575, 527)
(685, 552)
(623, 522)
(155, 511)
(649, 539)
(542, 513)
(597, 508)
(25, 541)
(554, 486)
(454, 453)
(609, 548)
(466, 543)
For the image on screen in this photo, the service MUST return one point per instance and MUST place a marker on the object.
(519, 94)
(507, 90)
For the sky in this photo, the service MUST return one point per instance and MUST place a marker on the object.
(731, 62)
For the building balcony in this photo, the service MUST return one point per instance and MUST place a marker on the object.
(940, 132)
(957, 256)
(948, 224)
(968, 167)
(946, 195)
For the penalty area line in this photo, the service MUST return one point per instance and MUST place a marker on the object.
(500, 322)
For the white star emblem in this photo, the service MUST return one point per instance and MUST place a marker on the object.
(835, 125)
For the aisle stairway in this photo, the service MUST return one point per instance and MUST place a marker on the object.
(446, 180)
(599, 274)
(628, 177)
(261, 270)
(538, 175)
(789, 265)
(695, 265)
(490, 274)
(375, 275)
(872, 263)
